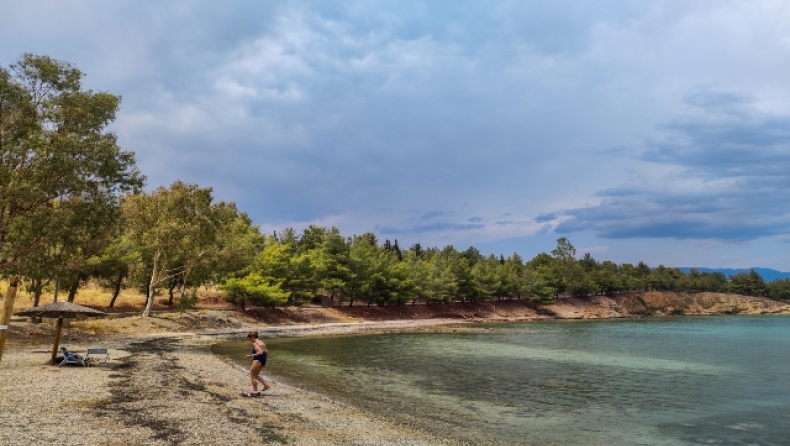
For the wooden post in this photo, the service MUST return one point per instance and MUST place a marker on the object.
(58, 330)
(7, 309)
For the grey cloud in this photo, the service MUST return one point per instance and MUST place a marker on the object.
(740, 164)
(649, 224)
(542, 218)
(721, 100)
(430, 215)
(433, 227)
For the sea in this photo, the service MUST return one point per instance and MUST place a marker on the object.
(712, 380)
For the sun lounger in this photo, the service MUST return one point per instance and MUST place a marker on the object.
(72, 358)
(100, 354)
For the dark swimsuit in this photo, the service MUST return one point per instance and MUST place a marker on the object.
(260, 358)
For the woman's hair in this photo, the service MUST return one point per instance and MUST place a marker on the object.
(252, 334)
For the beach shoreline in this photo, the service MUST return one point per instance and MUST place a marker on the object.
(169, 389)
(164, 386)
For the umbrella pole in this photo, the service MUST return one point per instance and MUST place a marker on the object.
(6, 310)
(58, 330)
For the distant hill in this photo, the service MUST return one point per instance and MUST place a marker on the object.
(768, 274)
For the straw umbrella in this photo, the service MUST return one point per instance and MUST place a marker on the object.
(59, 310)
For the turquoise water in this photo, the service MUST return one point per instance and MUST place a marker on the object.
(674, 381)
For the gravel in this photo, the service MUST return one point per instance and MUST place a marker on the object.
(169, 389)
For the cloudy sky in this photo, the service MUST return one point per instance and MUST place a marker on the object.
(655, 131)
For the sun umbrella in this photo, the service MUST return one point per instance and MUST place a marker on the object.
(59, 310)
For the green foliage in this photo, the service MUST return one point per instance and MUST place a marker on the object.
(181, 234)
(779, 289)
(750, 284)
(61, 171)
(254, 289)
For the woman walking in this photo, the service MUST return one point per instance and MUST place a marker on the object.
(259, 354)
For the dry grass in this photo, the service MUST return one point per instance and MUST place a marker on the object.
(92, 295)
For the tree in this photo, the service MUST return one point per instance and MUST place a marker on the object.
(254, 289)
(174, 229)
(607, 278)
(545, 274)
(630, 277)
(748, 283)
(113, 265)
(330, 263)
(564, 250)
(396, 250)
(779, 288)
(419, 272)
(311, 239)
(89, 228)
(588, 263)
(361, 253)
(539, 287)
(570, 270)
(443, 285)
(54, 147)
(487, 278)
(512, 277)
(472, 255)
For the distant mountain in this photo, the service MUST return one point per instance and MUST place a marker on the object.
(768, 274)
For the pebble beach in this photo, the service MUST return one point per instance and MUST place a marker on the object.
(164, 386)
(169, 389)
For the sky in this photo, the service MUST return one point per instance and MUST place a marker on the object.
(640, 131)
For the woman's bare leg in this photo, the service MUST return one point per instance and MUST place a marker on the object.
(254, 370)
(266, 386)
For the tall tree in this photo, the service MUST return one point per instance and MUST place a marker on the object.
(174, 228)
(54, 147)
(565, 255)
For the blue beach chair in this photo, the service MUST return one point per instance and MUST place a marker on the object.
(72, 358)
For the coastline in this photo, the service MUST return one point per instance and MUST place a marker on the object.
(164, 386)
(169, 389)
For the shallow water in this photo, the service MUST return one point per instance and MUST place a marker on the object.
(674, 381)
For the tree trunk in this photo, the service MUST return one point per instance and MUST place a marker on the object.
(183, 290)
(38, 288)
(149, 302)
(57, 289)
(7, 309)
(74, 287)
(173, 284)
(152, 287)
(117, 286)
